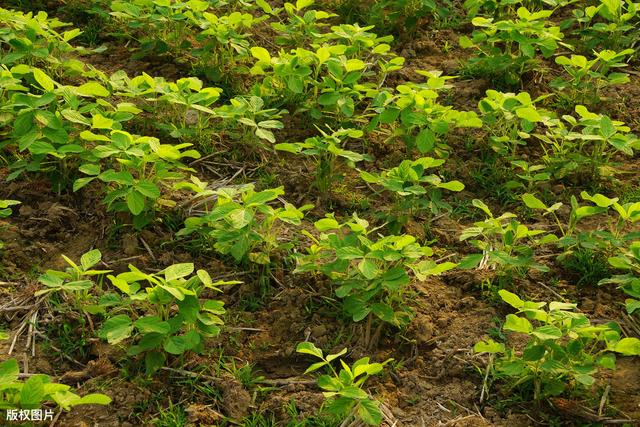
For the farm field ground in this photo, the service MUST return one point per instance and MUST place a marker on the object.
(329, 213)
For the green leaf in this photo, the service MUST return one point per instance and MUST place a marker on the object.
(517, 324)
(584, 379)
(32, 392)
(452, 186)
(547, 332)
(148, 189)
(93, 89)
(43, 79)
(426, 140)
(353, 392)
(265, 134)
(150, 324)
(470, 261)
(266, 8)
(262, 197)
(368, 268)
(309, 348)
(153, 361)
(529, 113)
(101, 122)
(116, 329)
(369, 412)
(326, 224)
(510, 298)
(178, 271)
(607, 127)
(334, 356)
(175, 345)
(94, 399)
(90, 169)
(533, 202)
(628, 347)
(354, 65)
(384, 312)
(482, 206)
(261, 54)
(90, 259)
(600, 200)
(329, 383)
(135, 202)
(488, 346)
(9, 371)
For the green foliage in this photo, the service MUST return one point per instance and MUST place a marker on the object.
(531, 175)
(413, 189)
(370, 275)
(602, 240)
(509, 47)
(398, 16)
(509, 118)
(256, 122)
(220, 43)
(344, 389)
(587, 78)
(628, 260)
(586, 144)
(301, 25)
(563, 352)
(332, 80)
(67, 130)
(39, 389)
(174, 319)
(611, 24)
(144, 167)
(76, 282)
(36, 39)
(325, 150)
(243, 224)
(414, 115)
(507, 245)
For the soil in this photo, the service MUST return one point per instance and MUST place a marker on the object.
(435, 379)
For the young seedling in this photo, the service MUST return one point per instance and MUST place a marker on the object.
(76, 282)
(325, 150)
(174, 317)
(39, 390)
(563, 352)
(370, 274)
(414, 190)
(506, 244)
(587, 78)
(344, 390)
(244, 225)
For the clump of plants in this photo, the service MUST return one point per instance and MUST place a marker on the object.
(507, 48)
(244, 225)
(563, 352)
(346, 398)
(162, 314)
(585, 78)
(39, 390)
(370, 272)
(506, 245)
(413, 189)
